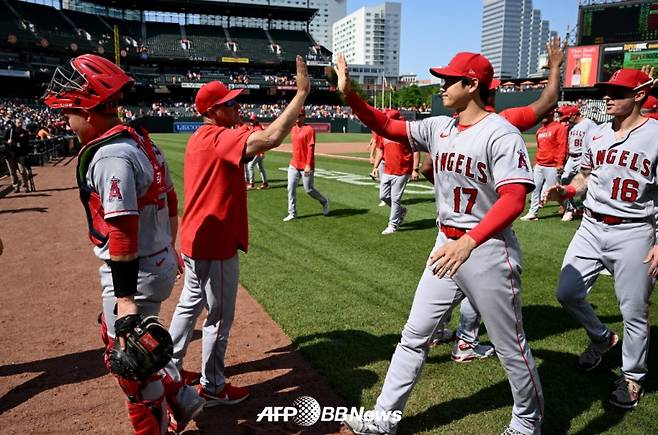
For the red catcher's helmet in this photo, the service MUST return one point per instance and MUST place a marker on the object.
(88, 82)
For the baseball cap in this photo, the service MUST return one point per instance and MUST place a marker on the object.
(213, 93)
(632, 79)
(567, 111)
(302, 112)
(470, 65)
(494, 84)
(393, 113)
(651, 103)
(253, 117)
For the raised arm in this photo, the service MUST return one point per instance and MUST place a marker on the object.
(273, 135)
(549, 96)
(392, 129)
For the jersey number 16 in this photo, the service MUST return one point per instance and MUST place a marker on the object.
(625, 190)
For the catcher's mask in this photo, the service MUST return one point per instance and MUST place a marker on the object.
(88, 82)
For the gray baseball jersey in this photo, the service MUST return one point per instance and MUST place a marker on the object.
(121, 173)
(577, 134)
(468, 170)
(623, 178)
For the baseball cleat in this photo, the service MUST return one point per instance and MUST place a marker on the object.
(510, 431)
(442, 335)
(382, 204)
(605, 272)
(181, 415)
(360, 426)
(529, 217)
(289, 218)
(389, 230)
(592, 356)
(627, 393)
(567, 216)
(325, 207)
(250, 186)
(229, 395)
(264, 186)
(465, 352)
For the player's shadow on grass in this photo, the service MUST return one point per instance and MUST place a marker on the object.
(421, 224)
(411, 201)
(73, 368)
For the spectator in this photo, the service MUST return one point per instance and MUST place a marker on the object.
(18, 143)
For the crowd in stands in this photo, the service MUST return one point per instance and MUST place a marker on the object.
(35, 117)
(280, 79)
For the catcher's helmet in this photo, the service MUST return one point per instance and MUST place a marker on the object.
(89, 81)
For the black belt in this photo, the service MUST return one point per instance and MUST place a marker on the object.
(147, 256)
(611, 220)
(575, 154)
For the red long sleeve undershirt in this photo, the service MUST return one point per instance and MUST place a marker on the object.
(172, 203)
(392, 129)
(508, 206)
(123, 233)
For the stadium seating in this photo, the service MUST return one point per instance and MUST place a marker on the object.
(164, 40)
(292, 43)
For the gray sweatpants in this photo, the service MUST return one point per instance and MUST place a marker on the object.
(294, 175)
(571, 168)
(157, 275)
(257, 161)
(621, 249)
(490, 279)
(391, 189)
(213, 285)
(544, 177)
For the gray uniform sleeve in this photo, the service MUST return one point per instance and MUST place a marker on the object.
(586, 161)
(114, 180)
(510, 162)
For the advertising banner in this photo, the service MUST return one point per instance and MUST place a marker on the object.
(186, 127)
(582, 66)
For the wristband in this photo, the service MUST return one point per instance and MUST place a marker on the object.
(571, 192)
(124, 277)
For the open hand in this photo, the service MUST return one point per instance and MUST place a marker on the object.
(448, 258)
(303, 82)
(343, 73)
(555, 52)
(653, 259)
(554, 193)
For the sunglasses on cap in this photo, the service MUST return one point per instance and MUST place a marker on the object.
(229, 104)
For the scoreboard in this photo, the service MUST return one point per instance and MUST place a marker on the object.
(635, 20)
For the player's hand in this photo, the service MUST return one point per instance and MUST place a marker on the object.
(448, 258)
(303, 82)
(560, 171)
(180, 264)
(555, 52)
(374, 173)
(553, 193)
(651, 72)
(343, 73)
(307, 170)
(125, 306)
(653, 259)
(414, 175)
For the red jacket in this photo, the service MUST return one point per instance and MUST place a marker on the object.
(551, 145)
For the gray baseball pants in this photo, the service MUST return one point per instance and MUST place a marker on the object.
(621, 249)
(571, 168)
(544, 177)
(213, 285)
(257, 161)
(391, 189)
(490, 278)
(294, 175)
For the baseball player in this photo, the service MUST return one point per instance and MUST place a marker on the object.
(482, 178)
(617, 233)
(578, 128)
(549, 159)
(132, 215)
(302, 165)
(214, 225)
(400, 164)
(467, 346)
(650, 107)
(258, 160)
(376, 140)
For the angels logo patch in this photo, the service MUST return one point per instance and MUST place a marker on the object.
(522, 161)
(115, 191)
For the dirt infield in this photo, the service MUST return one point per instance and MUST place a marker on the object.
(51, 371)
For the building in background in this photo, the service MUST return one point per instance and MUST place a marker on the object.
(329, 11)
(370, 37)
(514, 37)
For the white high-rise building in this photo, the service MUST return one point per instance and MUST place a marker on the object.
(370, 36)
(329, 11)
(514, 37)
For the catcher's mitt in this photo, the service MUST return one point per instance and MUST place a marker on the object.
(148, 347)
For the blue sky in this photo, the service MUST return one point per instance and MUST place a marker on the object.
(434, 30)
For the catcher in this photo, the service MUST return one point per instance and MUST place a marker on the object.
(132, 217)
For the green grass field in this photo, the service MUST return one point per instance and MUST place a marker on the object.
(342, 292)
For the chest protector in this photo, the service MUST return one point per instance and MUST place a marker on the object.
(91, 200)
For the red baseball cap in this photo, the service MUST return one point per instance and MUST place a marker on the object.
(470, 65)
(253, 117)
(567, 111)
(494, 84)
(302, 112)
(213, 93)
(651, 103)
(632, 79)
